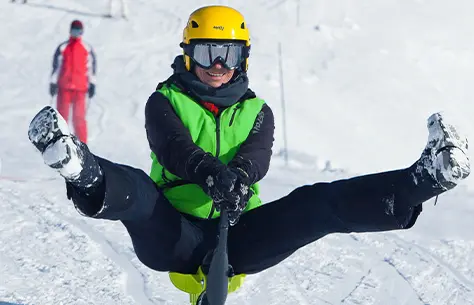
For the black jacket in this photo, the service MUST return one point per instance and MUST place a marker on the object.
(171, 141)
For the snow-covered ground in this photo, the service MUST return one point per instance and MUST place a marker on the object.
(360, 80)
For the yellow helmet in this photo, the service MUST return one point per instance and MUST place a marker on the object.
(216, 23)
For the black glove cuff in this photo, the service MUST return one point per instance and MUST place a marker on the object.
(241, 174)
(246, 167)
(201, 165)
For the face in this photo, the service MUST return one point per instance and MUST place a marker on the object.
(75, 32)
(216, 76)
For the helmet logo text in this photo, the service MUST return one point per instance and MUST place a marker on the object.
(219, 27)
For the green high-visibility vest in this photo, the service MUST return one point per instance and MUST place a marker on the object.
(221, 136)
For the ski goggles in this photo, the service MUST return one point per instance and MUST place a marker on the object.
(207, 54)
(75, 32)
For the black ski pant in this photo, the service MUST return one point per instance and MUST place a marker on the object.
(167, 240)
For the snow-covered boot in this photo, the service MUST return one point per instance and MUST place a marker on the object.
(61, 150)
(445, 157)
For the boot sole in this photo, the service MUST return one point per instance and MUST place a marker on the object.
(46, 127)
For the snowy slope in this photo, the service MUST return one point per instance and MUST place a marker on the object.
(361, 78)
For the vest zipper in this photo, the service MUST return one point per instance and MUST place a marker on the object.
(218, 149)
(233, 115)
(218, 131)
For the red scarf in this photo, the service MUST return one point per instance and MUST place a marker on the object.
(211, 107)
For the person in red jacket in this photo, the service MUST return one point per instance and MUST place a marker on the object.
(74, 67)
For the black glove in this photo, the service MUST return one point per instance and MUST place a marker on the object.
(53, 89)
(243, 192)
(91, 90)
(220, 187)
(215, 178)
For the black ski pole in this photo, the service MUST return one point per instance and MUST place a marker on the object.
(218, 276)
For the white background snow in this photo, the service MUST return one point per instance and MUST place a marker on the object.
(360, 80)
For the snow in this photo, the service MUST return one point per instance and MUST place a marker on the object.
(360, 78)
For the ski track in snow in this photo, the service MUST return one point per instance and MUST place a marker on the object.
(35, 216)
(389, 261)
(135, 282)
(463, 281)
(299, 294)
(409, 273)
(135, 279)
(359, 284)
(295, 290)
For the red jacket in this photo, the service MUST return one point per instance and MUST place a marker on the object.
(74, 65)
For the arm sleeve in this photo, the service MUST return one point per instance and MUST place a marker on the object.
(255, 153)
(168, 137)
(92, 66)
(57, 59)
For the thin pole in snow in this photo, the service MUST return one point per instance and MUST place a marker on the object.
(283, 106)
(298, 12)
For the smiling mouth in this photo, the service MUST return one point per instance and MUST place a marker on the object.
(215, 74)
